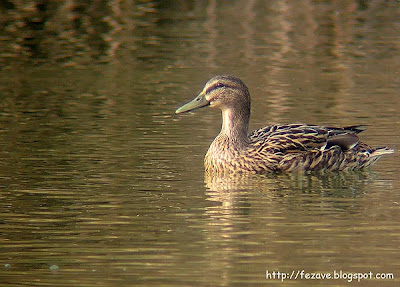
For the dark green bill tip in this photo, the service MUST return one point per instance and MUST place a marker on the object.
(198, 102)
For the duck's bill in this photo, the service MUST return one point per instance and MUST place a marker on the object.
(198, 102)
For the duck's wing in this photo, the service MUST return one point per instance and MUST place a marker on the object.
(301, 137)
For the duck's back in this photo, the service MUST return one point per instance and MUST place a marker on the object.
(314, 148)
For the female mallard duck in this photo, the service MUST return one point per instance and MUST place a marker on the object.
(276, 148)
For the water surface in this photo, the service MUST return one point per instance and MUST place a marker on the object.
(102, 185)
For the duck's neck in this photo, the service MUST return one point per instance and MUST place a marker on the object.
(235, 125)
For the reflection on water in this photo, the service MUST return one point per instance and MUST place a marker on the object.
(99, 178)
(315, 183)
(283, 222)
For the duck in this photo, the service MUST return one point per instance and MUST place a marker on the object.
(283, 148)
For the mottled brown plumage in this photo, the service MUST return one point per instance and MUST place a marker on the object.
(276, 148)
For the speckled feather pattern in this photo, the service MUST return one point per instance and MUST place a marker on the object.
(289, 148)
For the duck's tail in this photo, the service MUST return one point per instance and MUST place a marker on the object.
(380, 151)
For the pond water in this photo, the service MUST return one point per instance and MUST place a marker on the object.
(102, 185)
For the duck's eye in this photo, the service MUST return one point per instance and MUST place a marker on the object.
(214, 87)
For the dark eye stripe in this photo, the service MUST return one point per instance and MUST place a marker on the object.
(218, 86)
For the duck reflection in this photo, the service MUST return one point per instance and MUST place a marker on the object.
(269, 219)
(336, 183)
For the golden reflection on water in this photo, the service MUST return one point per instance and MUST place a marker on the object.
(101, 179)
(288, 220)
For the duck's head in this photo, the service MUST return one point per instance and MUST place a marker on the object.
(223, 92)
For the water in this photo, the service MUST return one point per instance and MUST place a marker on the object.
(102, 185)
